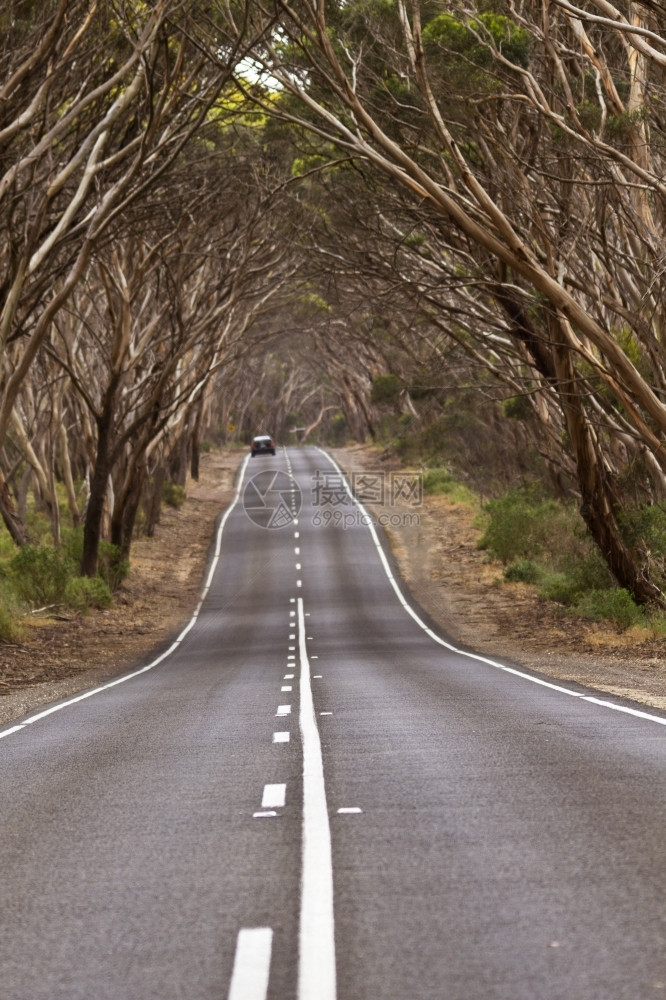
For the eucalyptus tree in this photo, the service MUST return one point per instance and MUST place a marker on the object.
(97, 102)
(535, 135)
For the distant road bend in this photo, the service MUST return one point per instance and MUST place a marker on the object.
(313, 795)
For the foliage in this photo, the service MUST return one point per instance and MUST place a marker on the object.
(386, 390)
(523, 571)
(520, 525)
(517, 408)
(83, 592)
(10, 629)
(542, 543)
(173, 495)
(112, 566)
(616, 606)
(442, 481)
(40, 574)
(474, 41)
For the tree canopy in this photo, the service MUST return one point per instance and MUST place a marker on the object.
(308, 212)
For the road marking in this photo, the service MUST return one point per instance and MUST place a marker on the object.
(8, 732)
(286, 687)
(291, 649)
(297, 534)
(316, 959)
(298, 565)
(274, 796)
(281, 737)
(252, 962)
(297, 551)
(263, 815)
(317, 677)
(367, 520)
(292, 635)
(348, 810)
(288, 677)
(284, 710)
(175, 644)
(326, 713)
(290, 614)
(299, 583)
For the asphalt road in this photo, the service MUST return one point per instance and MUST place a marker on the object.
(312, 796)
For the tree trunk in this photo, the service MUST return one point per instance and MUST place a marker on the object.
(599, 499)
(124, 515)
(13, 523)
(154, 505)
(92, 528)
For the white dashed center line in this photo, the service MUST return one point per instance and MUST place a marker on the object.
(281, 737)
(274, 796)
(249, 979)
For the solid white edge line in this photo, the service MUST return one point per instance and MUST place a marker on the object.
(316, 952)
(475, 656)
(252, 962)
(190, 625)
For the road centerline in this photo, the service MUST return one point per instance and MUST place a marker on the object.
(316, 970)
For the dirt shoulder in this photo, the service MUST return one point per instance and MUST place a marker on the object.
(61, 656)
(465, 595)
(437, 556)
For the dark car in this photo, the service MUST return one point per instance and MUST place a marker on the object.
(262, 445)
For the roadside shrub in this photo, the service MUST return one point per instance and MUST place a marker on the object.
(173, 495)
(43, 575)
(10, 629)
(437, 481)
(560, 588)
(523, 571)
(85, 592)
(616, 606)
(441, 481)
(646, 525)
(520, 526)
(112, 565)
(40, 574)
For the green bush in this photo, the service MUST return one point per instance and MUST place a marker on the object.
(385, 390)
(85, 592)
(520, 526)
(646, 526)
(10, 630)
(615, 605)
(43, 575)
(560, 588)
(441, 481)
(173, 495)
(112, 565)
(523, 571)
(40, 574)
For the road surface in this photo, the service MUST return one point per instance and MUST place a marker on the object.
(311, 795)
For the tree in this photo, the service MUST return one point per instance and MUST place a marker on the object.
(497, 140)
